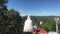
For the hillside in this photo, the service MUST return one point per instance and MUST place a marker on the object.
(48, 22)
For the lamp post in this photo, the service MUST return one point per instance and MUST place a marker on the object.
(57, 20)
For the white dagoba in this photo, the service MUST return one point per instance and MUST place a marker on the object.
(28, 26)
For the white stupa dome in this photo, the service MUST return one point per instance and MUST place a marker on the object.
(28, 26)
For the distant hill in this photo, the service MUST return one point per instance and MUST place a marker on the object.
(42, 16)
(48, 20)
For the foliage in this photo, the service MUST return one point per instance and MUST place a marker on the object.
(10, 21)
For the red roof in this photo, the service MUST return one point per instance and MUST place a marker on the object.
(42, 31)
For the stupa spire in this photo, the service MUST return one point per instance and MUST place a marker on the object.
(28, 17)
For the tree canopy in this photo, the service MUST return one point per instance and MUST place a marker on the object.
(10, 20)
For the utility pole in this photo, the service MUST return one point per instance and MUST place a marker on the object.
(57, 20)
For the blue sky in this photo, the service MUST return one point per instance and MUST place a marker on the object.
(36, 7)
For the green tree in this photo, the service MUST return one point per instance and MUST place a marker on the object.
(3, 10)
(10, 21)
(48, 24)
(3, 7)
(14, 22)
